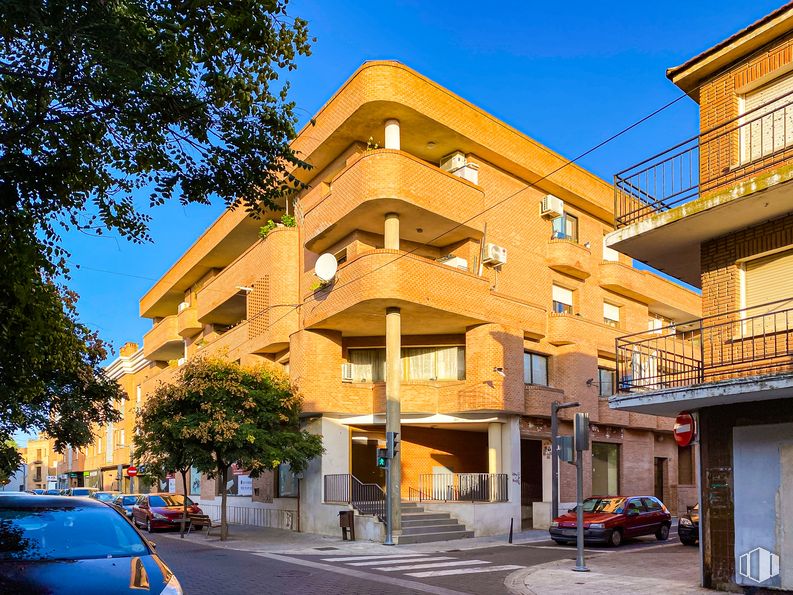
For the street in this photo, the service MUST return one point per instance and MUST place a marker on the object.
(204, 569)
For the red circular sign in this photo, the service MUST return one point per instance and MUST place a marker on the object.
(132, 471)
(684, 429)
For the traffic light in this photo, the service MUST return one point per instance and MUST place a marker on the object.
(392, 444)
(382, 457)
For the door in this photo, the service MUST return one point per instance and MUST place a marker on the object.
(660, 466)
(635, 518)
(655, 514)
(531, 485)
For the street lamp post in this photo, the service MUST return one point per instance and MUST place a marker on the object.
(555, 407)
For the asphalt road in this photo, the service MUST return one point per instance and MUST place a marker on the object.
(207, 570)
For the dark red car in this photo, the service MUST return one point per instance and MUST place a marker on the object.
(610, 519)
(161, 511)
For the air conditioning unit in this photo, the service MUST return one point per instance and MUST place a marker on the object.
(453, 161)
(346, 372)
(495, 255)
(551, 207)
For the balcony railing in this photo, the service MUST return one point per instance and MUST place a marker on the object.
(729, 152)
(366, 498)
(462, 487)
(749, 342)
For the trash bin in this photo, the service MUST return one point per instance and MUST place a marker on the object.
(347, 523)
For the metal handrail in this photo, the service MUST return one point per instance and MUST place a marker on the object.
(660, 182)
(366, 498)
(733, 344)
(464, 487)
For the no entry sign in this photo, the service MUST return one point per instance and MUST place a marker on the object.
(684, 429)
(132, 471)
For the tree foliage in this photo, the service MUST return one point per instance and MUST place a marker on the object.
(50, 364)
(103, 101)
(229, 414)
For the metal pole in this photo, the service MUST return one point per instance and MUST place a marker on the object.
(389, 537)
(554, 461)
(580, 566)
(555, 407)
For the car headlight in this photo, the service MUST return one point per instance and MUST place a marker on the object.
(554, 524)
(686, 522)
(160, 517)
(597, 526)
(173, 587)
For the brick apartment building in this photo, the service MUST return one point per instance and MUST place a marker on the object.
(494, 308)
(717, 211)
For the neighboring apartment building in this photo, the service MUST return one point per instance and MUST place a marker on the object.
(500, 299)
(42, 462)
(105, 460)
(717, 212)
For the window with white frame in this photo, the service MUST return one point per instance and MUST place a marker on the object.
(562, 300)
(611, 314)
(535, 368)
(655, 322)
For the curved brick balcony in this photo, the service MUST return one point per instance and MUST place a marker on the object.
(163, 342)
(434, 298)
(386, 181)
(188, 324)
(570, 258)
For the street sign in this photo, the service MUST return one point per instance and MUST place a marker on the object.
(132, 471)
(684, 429)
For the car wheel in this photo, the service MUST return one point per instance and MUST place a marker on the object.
(148, 526)
(688, 541)
(663, 533)
(615, 538)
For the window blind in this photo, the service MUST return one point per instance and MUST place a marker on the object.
(562, 295)
(768, 279)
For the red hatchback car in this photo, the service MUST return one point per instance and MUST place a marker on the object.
(161, 511)
(610, 519)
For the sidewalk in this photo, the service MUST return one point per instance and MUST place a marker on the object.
(247, 538)
(639, 572)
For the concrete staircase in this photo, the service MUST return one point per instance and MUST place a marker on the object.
(422, 527)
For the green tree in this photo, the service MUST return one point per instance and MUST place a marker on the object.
(158, 444)
(103, 101)
(238, 415)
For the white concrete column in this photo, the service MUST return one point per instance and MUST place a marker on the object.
(391, 231)
(393, 357)
(392, 134)
(494, 448)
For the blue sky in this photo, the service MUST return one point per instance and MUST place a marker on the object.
(569, 75)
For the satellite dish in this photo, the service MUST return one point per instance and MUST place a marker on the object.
(326, 267)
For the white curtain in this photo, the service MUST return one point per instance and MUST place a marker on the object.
(448, 363)
(418, 363)
(368, 365)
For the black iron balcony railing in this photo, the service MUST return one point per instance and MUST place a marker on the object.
(462, 487)
(756, 140)
(749, 342)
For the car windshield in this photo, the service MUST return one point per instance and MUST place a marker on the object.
(104, 496)
(608, 505)
(81, 492)
(128, 500)
(168, 500)
(73, 533)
